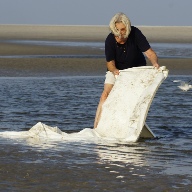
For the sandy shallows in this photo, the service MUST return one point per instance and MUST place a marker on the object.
(27, 49)
(45, 67)
(76, 66)
(92, 33)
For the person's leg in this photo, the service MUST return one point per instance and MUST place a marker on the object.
(108, 85)
(104, 95)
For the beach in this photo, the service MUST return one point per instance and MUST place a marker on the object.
(54, 75)
(91, 33)
(54, 66)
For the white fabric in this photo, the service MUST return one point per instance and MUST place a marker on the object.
(123, 113)
(125, 110)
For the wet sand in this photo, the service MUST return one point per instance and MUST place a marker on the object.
(72, 66)
(12, 67)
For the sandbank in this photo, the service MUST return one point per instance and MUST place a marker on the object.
(177, 34)
(22, 67)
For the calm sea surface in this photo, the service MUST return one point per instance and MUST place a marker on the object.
(160, 164)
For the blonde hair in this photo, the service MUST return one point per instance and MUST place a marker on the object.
(117, 18)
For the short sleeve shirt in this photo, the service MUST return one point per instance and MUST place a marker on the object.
(129, 54)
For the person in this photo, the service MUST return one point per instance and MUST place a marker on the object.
(124, 48)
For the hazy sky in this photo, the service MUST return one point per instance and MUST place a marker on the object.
(96, 12)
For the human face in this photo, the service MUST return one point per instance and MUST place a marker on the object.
(121, 28)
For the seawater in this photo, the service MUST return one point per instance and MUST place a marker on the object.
(166, 50)
(160, 164)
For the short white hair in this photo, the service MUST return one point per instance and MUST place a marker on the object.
(118, 18)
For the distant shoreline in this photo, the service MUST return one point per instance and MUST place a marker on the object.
(165, 34)
(91, 25)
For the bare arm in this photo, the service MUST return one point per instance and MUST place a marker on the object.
(151, 55)
(111, 67)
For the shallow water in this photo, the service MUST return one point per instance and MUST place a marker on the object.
(160, 164)
(166, 50)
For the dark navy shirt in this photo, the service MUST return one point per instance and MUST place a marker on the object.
(128, 54)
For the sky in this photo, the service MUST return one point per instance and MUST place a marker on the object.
(96, 12)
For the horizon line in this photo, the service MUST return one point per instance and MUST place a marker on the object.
(94, 25)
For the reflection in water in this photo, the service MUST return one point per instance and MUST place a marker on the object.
(151, 154)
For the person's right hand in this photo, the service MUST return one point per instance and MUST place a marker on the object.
(116, 72)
